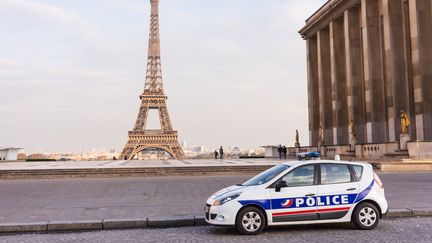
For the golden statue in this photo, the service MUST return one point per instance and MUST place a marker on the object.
(405, 122)
(352, 129)
(320, 134)
(297, 137)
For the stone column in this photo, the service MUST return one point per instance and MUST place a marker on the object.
(373, 78)
(353, 46)
(338, 82)
(324, 80)
(421, 46)
(395, 69)
(408, 67)
(313, 95)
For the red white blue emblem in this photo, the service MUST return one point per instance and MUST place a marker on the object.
(287, 203)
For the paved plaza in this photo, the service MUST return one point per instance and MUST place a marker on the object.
(122, 168)
(131, 198)
(114, 164)
(134, 168)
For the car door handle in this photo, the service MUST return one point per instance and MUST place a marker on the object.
(310, 195)
(351, 189)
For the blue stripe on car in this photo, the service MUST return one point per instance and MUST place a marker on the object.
(264, 203)
(364, 193)
(304, 202)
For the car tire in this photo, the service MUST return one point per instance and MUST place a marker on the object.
(250, 221)
(366, 216)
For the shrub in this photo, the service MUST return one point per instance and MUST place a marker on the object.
(37, 160)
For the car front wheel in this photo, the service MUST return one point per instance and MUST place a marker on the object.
(250, 221)
(366, 216)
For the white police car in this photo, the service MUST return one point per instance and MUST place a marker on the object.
(301, 192)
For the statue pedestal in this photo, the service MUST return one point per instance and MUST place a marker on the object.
(404, 139)
(321, 149)
(353, 143)
(297, 148)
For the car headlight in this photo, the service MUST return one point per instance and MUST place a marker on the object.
(226, 199)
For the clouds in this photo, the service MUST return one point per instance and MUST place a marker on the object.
(48, 22)
(300, 10)
(235, 71)
(39, 8)
(8, 63)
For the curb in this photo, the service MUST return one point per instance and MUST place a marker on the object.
(153, 222)
(105, 224)
(408, 212)
(56, 226)
(400, 213)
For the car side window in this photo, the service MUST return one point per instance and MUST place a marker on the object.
(335, 173)
(358, 169)
(302, 176)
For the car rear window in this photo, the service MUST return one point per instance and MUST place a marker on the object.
(335, 173)
(358, 171)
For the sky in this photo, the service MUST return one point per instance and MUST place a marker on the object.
(71, 72)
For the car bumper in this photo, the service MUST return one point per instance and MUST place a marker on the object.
(385, 212)
(224, 215)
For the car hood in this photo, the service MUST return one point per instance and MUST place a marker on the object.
(226, 191)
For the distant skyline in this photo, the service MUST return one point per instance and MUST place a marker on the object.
(71, 72)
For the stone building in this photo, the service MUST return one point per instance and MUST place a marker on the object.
(9, 153)
(368, 60)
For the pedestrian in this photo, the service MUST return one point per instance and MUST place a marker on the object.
(216, 154)
(221, 153)
(285, 152)
(280, 151)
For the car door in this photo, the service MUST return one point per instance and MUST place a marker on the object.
(337, 191)
(296, 201)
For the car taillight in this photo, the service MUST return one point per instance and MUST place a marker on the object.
(378, 180)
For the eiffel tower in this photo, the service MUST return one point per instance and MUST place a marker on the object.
(153, 97)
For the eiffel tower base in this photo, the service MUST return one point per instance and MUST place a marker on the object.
(140, 141)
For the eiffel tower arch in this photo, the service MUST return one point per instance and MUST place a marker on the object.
(153, 97)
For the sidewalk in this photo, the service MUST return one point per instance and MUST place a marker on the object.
(122, 168)
(157, 201)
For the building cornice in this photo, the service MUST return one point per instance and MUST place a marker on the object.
(332, 9)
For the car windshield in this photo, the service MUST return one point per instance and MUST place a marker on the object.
(267, 175)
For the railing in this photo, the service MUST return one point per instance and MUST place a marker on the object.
(152, 132)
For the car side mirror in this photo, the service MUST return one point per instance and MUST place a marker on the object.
(280, 184)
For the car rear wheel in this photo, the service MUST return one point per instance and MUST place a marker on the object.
(366, 216)
(250, 221)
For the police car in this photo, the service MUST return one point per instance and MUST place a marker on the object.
(309, 155)
(301, 192)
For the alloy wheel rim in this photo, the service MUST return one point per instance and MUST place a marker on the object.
(251, 221)
(367, 216)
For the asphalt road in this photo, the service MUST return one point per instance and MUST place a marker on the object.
(396, 230)
(94, 199)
